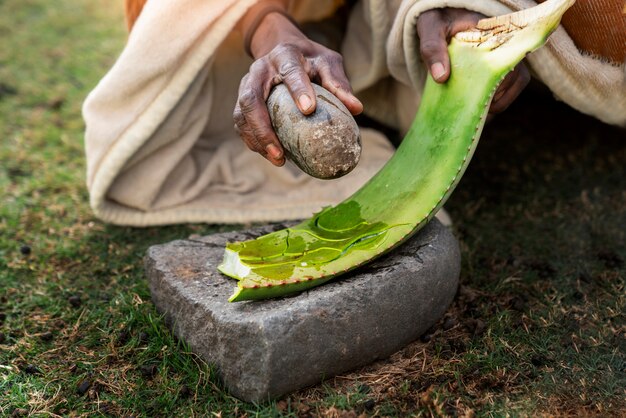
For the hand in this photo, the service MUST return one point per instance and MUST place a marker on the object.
(285, 56)
(436, 27)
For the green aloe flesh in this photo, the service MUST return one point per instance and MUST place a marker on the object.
(414, 184)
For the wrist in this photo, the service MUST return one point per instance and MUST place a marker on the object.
(274, 28)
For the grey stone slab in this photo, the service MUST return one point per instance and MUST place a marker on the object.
(268, 348)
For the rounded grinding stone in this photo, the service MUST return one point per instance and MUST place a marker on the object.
(325, 144)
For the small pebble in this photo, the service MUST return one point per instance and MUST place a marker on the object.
(449, 323)
(458, 346)
(19, 412)
(122, 337)
(480, 329)
(303, 410)
(538, 361)
(56, 103)
(32, 369)
(148, 371)
(184, 392)
(144, 337)
(518, 304)
(282, 405)
(75, 301)
(513, 261)
(46, 336)
(25, 250)
(83, 387)
(369, 404)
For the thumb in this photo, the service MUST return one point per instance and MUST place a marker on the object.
(431, 29)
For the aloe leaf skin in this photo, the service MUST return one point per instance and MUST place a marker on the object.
(416, 181)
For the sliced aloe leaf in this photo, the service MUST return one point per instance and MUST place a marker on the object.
(414, 184)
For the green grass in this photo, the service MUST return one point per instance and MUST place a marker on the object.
(537, 327)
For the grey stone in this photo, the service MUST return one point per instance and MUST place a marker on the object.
(268, 348)
(325, 144)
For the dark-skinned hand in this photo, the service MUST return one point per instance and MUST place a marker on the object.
(436, 27)
(287, 56)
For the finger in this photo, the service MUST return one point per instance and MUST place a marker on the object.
(506, 84)
(252, 118)
(333, 78)
(244, 131)
(431, 29)
(520, 82)
(460, 19)
(293, 70)
(257, 132)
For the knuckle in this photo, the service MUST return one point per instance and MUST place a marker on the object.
(262, 135)
(289, 69)
(430, 47)
(238, 117)
(258, 67)
(247, 100)
(334, 58)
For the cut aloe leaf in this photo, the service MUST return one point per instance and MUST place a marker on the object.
(414, 184)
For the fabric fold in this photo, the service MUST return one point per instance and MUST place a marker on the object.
(160, 143)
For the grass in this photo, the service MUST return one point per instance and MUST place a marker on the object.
(537, 327)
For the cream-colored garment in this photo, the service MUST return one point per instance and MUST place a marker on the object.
(160, 142)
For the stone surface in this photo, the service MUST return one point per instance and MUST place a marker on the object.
(268, 348)
(325, 144)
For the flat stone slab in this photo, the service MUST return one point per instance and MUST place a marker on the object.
(265, 349)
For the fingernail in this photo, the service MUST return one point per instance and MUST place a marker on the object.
(273, 151)
(437, 70)
(305, 102)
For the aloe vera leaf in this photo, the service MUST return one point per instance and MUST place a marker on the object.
(417, 180)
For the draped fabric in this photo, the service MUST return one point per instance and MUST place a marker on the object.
(160, 142)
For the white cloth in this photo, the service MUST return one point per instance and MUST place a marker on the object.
(160, 142)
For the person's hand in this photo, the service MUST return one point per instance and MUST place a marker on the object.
(285, 55)
(436, 27)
